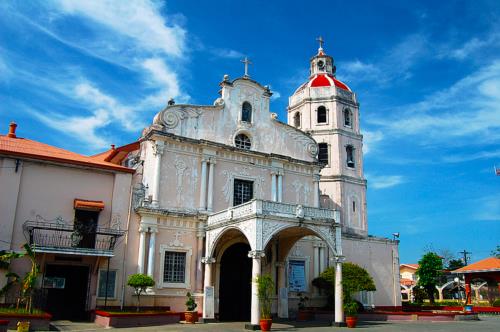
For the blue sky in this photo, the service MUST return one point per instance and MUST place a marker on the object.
(83, 75)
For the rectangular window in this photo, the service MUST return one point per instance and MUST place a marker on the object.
(243, 191)
(101, 292)
(174, 268)
(323, 153)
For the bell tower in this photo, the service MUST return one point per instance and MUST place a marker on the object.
(328, 110)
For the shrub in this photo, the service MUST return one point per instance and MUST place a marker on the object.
(265, 287)
(190, 303)
(140, 282)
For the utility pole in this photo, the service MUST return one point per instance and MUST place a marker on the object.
(466, 258)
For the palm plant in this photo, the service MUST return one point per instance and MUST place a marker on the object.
(265, 287)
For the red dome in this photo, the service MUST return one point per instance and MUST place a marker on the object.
(320, 80)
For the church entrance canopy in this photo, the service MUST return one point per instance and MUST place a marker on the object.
(259, 222)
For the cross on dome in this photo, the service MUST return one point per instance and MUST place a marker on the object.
(246, 62)
(321, 41)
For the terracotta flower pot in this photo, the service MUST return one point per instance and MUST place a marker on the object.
(191, 317)
(351, 321)
(265, 324)
(304, 315)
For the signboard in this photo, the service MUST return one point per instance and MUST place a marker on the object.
(208, 303)
(54, 282)
(297, 276)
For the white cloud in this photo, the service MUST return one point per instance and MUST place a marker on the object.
(487, 208)
(470, 47)
(384, 181)
(371, 139)
(276, 95)
(138, 20)
(470, 108)
(226, 53)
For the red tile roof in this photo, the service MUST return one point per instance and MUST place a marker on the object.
(490, 264)
(412, 266)
(406, 281)
(25, 148)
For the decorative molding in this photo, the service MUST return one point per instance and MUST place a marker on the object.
(180, 168)
(256, 254)
(172, 116)
(177, 242)
(208, 260)
(244, 174)
(158, 147)
(308, 142)
(187, 271)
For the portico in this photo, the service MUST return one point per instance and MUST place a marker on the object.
(267, 227)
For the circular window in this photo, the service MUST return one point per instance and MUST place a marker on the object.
(242, 141)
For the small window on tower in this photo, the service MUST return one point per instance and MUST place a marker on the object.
(323, 153)
(353, 206)
(246, 112)
(321, 114)
(347, 118)
(350, 156)
(296, 120)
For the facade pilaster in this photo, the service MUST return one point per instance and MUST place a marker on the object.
(158, 147)
(211, 175)
(203, 185)
(256, 256)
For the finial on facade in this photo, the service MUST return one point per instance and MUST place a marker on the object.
(171, 102)
(321, 42)
(226, 78)
(246, 62)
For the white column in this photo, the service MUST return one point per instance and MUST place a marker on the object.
(274, 194)
(157, 152)
(255, 311)
(316, 190)
(282, 291)
(199, 264)
(280, 187)
(208, 294)
(142, 247)
(203, 185)
(339, 303)
(316, 260)
(321, 259)
(211, 184)
(151, 255)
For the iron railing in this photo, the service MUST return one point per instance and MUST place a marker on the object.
(58, 236)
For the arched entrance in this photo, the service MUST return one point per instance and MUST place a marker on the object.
(235, 283)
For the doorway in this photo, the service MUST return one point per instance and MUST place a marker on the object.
(235, 283)
(68, 299)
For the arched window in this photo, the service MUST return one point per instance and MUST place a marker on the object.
(323, 153)
(243, 142)
(246, 112)
(321, 114)
(296, 120)
(347, 118)
(350, 156)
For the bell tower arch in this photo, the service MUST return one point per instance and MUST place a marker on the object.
(328, 109)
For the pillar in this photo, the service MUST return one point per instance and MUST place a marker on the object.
(199, 264)
(157, 153)
(211, 184)
(316, 260)
(280, 187)
(321, 259)
(151, 255)
(203, 185)
(142, 247)
(274, 193)
(208, 294)
(282, 291)
(256, 256)
(339, 303)
(316, 191)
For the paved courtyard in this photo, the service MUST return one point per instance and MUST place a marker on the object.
(487, 323)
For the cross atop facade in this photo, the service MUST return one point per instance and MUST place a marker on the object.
(246, 62)
(320, 41)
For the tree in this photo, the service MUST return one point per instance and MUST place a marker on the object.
(496, 252)
(446, 256)
(354, 279)
(265, 287)
(455, 264)
(140, 283)
(429, 273)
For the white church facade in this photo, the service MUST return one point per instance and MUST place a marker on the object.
(222, 193)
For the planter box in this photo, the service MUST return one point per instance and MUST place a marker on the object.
(3, 325)
(106, 319)
(37, 321)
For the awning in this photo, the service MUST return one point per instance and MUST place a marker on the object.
(82, 204)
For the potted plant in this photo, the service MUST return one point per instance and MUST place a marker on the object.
(351, 313)
(140, 283)
(303, 313)
(191, 315)
(265, 287)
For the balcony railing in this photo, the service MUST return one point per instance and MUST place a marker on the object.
(257, 207)
(58, 236)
